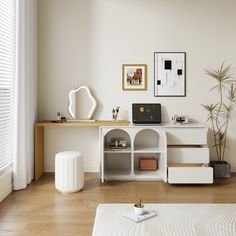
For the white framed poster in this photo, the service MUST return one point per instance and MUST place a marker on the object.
(169, 74)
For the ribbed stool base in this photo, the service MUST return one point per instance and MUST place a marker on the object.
(69, 172)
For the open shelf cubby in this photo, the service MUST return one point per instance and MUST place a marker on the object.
(119, 135)
(117, 163)
(137, 157)
(148, 140)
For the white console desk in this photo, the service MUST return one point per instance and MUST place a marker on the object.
(181, 152)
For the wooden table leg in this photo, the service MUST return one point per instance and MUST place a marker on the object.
(38, 152)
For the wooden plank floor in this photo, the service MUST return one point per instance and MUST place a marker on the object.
(41, 210)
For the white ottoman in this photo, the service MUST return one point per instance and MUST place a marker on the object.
(69, 172)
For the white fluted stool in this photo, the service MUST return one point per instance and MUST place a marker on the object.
(69, 172)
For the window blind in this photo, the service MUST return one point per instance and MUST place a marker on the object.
(8, 40)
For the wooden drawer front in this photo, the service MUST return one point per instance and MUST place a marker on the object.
(190, 175)
(186, 136)
(188, 155)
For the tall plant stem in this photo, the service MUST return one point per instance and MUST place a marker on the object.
(214, 132)
(218, 121)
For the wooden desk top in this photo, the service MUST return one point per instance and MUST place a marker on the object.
(88, 123)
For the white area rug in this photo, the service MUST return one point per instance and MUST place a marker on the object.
(172, 220)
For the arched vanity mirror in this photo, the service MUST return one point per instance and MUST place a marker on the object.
(82, 104)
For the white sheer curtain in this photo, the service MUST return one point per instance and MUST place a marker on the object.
(26, 94)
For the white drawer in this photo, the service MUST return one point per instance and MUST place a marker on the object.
(186, 136)
(190, 175)
(188, 155)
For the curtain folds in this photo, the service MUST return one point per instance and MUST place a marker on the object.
(26, 93)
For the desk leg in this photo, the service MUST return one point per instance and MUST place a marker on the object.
(38, 152)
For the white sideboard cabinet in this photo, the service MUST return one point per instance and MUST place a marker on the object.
(180, 150)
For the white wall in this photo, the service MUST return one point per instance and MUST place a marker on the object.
(86, 42)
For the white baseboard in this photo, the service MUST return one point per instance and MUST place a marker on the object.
(6, 184)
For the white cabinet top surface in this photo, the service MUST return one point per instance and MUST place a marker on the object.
(163, 125)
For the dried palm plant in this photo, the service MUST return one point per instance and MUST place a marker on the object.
(219, 114)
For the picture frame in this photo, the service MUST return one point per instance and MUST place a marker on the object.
(134, 77)
(169, 74)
